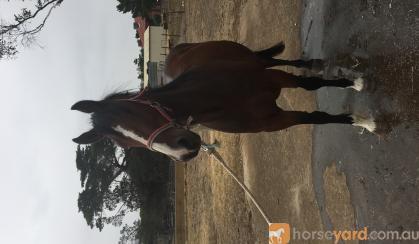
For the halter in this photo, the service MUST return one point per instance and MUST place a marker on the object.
(171, 123)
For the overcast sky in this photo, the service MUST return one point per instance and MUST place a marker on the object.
(88, 51)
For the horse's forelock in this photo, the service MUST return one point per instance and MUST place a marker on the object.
(102, 121)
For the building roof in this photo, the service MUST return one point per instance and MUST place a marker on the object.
(141, 24)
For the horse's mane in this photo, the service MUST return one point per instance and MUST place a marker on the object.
(149, 91)
(161, 88)
(175, 83)
(101, 121)
(120, 95)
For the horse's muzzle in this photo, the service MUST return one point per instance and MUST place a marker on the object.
(189, 156)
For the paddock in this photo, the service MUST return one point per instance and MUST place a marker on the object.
(346, 178)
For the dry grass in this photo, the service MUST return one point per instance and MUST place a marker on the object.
(275, 166)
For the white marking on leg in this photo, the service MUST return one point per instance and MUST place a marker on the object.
(368, 123)
(358, 84)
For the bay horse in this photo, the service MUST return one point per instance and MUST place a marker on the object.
(187, 55)
(235, 95)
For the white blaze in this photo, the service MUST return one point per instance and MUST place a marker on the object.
(160, 147)
(130, 134)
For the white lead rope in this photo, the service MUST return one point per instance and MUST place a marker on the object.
(211, 151)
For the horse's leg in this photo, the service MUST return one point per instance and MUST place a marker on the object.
(284, 119)
(269, 53)
(281, 79)
(309, 64)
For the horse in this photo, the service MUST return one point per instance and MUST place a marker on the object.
(276, 236)
(187, 55)
(229, 95)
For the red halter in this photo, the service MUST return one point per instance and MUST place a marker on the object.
(170, 121)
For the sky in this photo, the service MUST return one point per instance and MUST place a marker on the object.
(86, 51)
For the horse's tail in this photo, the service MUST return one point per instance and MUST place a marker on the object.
(272, 51)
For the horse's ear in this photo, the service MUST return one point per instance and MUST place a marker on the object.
(88, 137)
(87, 106)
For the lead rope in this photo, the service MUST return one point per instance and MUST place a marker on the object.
(205, 147)
(210, 150)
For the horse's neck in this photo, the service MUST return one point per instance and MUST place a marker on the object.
(182, 104)
(174, 101)
(175, 64)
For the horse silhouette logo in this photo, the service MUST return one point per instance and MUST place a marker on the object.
(279, 233)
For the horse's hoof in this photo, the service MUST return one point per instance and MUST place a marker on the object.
(367, 123)
(359, 84)
(362, 84)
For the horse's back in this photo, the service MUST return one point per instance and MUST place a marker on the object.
(186, 55)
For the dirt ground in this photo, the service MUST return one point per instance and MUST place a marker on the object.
(276, 166)
(295, 179)
(377, 39)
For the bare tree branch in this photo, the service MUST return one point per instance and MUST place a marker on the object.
(27, 15)
(120, 208)
(21, 32)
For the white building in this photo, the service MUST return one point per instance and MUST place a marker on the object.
(155, 43)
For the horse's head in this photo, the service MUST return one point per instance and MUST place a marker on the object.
(134, 124)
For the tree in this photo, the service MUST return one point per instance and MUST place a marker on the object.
(140, 64)
(116, 181)
(129, 233)
(137, 7)
(126, 6)
(23, 30)
(149, 172)
(101, 168)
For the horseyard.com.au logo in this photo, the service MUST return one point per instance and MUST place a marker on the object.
(279, 233)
